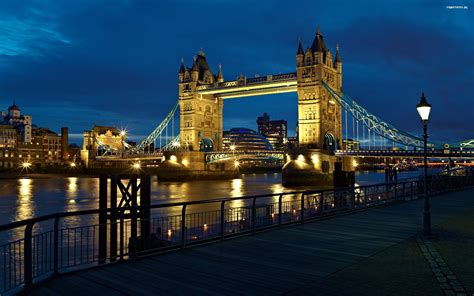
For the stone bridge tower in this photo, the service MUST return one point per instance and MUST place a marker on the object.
(319, 116)
(200, 115)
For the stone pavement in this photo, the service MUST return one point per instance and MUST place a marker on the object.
(374, 252)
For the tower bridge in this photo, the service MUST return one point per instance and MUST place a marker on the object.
(329, 120)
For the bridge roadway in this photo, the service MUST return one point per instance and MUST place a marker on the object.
(285, 260)
(407, 153)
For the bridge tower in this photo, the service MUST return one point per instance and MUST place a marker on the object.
(200, 115)
(319, 116)
(319, 120)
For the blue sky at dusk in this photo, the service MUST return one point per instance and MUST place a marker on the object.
(76, 63)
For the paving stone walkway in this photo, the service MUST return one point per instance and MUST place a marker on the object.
(447, 280)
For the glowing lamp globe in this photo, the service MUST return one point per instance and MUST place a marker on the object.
(423, 108)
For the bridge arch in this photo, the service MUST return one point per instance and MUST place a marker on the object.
(206, 145)
(330, 142)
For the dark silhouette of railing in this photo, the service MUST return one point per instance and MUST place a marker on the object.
(47, 245)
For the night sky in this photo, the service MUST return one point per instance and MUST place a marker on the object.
(76, 63)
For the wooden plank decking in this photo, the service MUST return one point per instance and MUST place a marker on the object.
(271, 262)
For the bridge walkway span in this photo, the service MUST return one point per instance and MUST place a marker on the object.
(270, 262)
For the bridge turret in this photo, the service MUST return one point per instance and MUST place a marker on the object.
(182, 71)
(319, 47)
(195, 70)
(299, 53)
(328, 60)
(220, 77)
(338, 59)
(338, 67)
(308, 57)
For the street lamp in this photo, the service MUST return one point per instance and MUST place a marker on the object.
(424, 111)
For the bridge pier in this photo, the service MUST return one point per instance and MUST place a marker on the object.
(191, 165)
(314, 167)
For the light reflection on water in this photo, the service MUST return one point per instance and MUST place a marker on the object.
(25, 203)
(26, 198)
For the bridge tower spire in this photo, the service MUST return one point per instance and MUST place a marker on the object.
(220, 77)
(200, 115)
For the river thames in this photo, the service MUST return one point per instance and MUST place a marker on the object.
(26, 198)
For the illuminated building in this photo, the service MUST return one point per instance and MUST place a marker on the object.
(101, 141)
(244, 139)
(21, 141)
(200, 115)
(274, 130)
(22, 123)
(319, 116)
(350, 144)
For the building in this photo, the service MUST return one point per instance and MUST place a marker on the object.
(102, 140)
(350, 144)
(8, 136)
(244, 139)
(274, 130)
(21, 123)
(23, 142)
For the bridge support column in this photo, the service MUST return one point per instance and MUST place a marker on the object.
(108, 219)
(314, 167)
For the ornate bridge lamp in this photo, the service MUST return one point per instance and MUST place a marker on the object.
(424, 111)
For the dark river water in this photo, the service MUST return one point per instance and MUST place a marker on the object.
(26, 198)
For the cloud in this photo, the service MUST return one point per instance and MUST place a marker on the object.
(116, 61)
(32, 35)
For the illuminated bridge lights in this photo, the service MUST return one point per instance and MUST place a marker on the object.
(226, 155)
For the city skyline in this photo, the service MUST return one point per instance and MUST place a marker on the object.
(118, 68)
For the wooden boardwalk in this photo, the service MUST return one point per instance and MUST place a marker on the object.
(272, 262)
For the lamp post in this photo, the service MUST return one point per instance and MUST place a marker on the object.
(424, 109)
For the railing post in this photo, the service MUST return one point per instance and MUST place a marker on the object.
(395, 191)
(134, 218)
(121, 234)
(254, 213)
(321, 203)
(280, 210)
(222, 219)
(183, 226)
(102, 219)
(56, 245)
(113, 218)
(28, 255)
(302, 208)
(365, 196)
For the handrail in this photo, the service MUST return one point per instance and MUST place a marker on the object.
(25, 222)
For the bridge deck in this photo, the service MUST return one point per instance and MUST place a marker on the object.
(272, 262)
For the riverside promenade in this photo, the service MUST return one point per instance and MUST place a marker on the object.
(373, 252)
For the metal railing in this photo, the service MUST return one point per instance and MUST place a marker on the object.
(47, 245)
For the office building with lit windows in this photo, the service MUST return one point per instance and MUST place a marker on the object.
(275, 131)
(244, 139)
